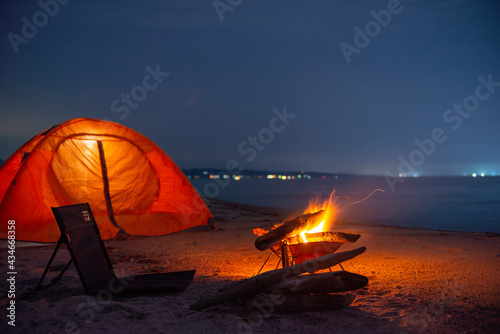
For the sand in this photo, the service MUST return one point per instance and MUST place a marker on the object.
(420, 281)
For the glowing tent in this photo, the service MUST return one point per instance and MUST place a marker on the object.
(131, 185)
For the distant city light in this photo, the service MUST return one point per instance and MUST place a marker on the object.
(213, 175)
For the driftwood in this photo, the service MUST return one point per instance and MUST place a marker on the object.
(324, 237)
(338, 281)
(269, 304)
(254, 285)
(300, 223)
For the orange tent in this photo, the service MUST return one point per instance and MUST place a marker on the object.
(131, 185)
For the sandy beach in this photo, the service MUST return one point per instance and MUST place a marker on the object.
(420, 281)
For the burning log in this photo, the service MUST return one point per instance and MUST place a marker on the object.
(325, 237)
(275, 248)
(254, 285)
(338, 281)
(300, 223)
(300, 303)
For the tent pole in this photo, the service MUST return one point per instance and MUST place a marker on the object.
(107, 195)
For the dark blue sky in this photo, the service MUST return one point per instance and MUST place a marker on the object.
(226, 77)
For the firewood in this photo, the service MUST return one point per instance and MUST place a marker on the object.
(300, 223)
(338, 281)
(268, 304)
(325, 237)
(254, 285)
(275, 248)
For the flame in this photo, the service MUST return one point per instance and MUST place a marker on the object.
(318, 228)
(330, 207)
(316, 205)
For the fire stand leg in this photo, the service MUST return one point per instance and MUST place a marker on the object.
(284, 254)
(264, 263)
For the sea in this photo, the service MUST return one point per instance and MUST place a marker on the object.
(451, 203)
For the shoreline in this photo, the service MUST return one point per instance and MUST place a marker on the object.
(461, 204)
(293, 213)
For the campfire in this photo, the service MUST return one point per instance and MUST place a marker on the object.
(305, 244)
(307, 236)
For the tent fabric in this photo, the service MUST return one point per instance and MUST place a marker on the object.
(129, 182)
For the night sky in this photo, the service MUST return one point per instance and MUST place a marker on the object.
(332, 86)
